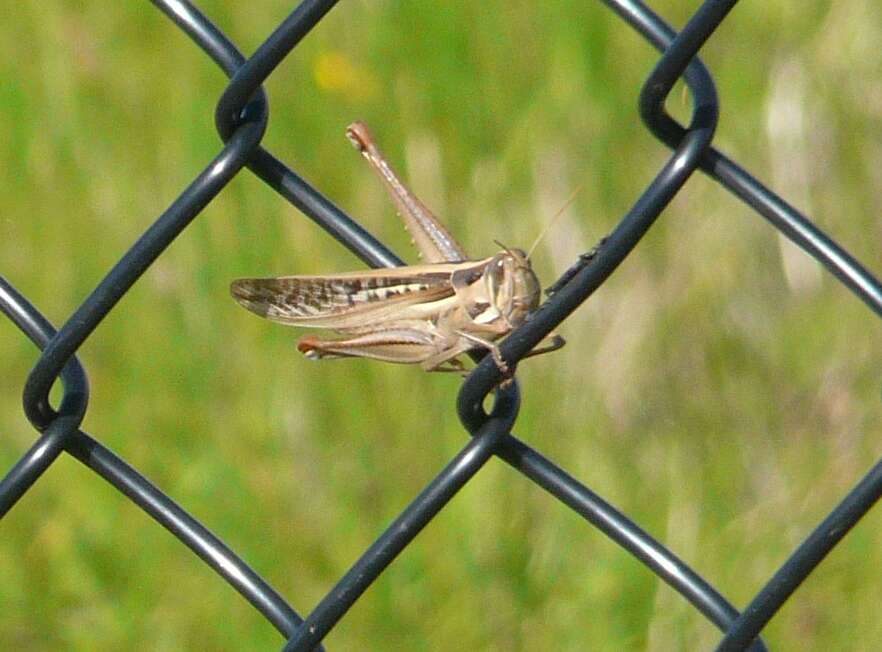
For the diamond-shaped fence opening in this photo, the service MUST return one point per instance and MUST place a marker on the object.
(306, 479)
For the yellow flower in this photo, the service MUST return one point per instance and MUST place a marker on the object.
(335, 72)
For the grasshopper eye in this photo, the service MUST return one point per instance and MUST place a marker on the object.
(497, 272)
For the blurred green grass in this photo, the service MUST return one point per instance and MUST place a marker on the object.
(720, 388)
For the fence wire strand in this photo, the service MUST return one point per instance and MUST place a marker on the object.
(241, 117)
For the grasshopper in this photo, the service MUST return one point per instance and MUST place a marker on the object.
(428, 314)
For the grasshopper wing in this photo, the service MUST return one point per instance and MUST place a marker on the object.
(348, 301)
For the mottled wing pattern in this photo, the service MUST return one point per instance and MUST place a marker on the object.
(341, 300)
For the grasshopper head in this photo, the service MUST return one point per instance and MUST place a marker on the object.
(512, 285)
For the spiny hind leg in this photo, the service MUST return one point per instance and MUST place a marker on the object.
(396, 345)
(434, 241)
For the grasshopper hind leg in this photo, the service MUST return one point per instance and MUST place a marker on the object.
(434, 241)
(402, 346)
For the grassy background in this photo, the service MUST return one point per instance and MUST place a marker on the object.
(721, 389)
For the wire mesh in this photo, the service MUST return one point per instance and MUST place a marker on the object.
(241, 118)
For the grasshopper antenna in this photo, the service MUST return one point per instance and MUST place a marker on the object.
(554, 219)
(503, 247)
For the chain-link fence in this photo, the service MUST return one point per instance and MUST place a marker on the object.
(241, 118)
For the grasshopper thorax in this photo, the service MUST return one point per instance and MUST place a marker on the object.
(499, 292)
(519, 292)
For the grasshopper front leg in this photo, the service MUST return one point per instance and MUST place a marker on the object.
(491, 347)
(556, 342)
